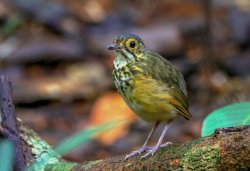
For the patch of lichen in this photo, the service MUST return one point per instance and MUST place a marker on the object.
(90, 164)
(60, 166)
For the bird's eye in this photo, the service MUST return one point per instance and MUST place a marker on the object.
(132, 44)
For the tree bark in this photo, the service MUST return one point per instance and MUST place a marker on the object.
(8, 120)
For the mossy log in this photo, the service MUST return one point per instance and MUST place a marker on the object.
(227, 149)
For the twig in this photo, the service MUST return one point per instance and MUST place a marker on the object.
(9, 122)
(210, 59)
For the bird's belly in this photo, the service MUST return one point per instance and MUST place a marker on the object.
(148, 101)
(154, 111)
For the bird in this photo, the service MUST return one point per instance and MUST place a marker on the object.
(152, 87)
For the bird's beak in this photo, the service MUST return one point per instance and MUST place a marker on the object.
(113, 47)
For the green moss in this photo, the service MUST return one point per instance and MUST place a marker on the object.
(90, 164)
(204, 158)
(203, 155)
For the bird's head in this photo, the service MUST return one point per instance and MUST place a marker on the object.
(130, 46)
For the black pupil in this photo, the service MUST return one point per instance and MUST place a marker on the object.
(132, 44)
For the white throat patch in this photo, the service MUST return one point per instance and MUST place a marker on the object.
(121, 60)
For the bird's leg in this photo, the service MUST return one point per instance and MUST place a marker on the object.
(152, 150)
(144, 146)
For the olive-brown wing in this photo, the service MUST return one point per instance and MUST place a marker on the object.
(172, 93)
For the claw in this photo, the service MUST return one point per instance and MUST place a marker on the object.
(166, 144)
(139, 151)
(152, 150)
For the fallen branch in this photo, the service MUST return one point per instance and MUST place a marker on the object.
(222, 151)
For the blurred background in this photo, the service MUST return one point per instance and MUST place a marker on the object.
(55, 52)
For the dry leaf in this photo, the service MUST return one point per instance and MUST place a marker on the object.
(110, 107)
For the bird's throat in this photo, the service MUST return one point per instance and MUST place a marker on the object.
(122, 59)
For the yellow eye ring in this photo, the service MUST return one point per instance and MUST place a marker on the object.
(132, 43)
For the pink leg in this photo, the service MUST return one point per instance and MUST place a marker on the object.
(159, 143)
(144, 146)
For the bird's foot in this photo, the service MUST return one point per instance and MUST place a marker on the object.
(139, 151)
(152, 150)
